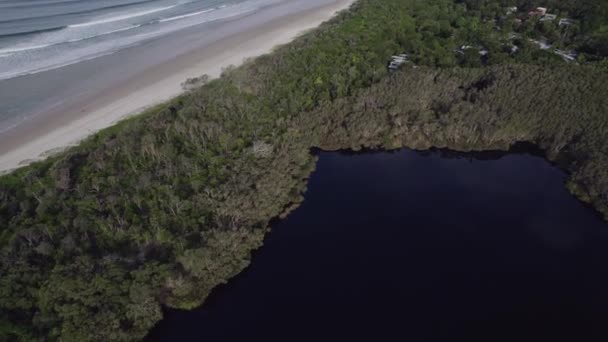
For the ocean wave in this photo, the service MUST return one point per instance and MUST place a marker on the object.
(103, 34)
(121, 17)
(32, 47)
(23, 33)
(183, 16)
(25, 4)
(186, 15)
(6, 76)
(36, 47)
(75, 12)
(141, 38)
(4, 51)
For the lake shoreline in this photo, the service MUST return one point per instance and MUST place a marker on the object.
(62, 127)
(275, 272)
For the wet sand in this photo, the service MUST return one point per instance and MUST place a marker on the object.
(87, 109)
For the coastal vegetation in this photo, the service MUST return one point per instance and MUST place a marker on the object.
(163, 207)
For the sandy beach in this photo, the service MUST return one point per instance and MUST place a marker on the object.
(69, 122)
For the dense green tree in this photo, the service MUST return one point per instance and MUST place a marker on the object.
(163, 207)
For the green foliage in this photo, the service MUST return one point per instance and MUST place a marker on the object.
(163, 207)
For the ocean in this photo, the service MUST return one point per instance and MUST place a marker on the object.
(39, 35)
(55, 54)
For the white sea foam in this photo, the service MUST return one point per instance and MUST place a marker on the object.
(54, 66)
(186, 15)
(8, 52)
(103, 34)
(121, 17)
(20, 62)
(31, 47)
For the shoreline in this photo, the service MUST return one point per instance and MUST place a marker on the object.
(61, 128)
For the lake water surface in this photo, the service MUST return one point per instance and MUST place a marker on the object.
(419, 246)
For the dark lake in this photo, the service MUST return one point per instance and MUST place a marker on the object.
(419, 246)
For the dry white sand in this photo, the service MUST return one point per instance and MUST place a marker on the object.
(55, 132)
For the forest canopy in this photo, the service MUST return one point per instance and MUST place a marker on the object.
(161, 208)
